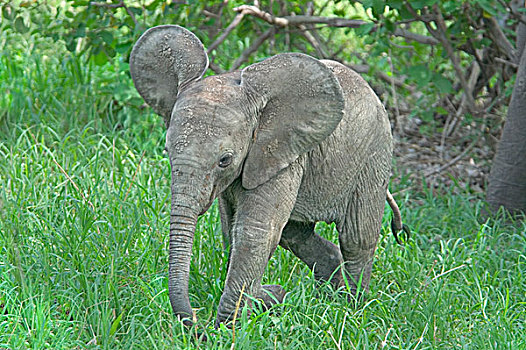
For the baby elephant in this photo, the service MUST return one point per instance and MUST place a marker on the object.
(284, 143)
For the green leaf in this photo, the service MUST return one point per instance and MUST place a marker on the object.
(367, 4)
(404, 13)
(441, 110)
(390, 26)
(153, 5)
(420, 74)
(365, 29)
(488, 7)
(20, 25)
(420, 4)
(77, 3)
(8, 12)
(115, 323)
(442, 84)
(100, 56)
(451, 6)
(81, 31)
(71, 43)
(106, 36)
(110, 51)
(123, 47)
(339, 12)
(378, 7)
(396, 4)
(135, 10)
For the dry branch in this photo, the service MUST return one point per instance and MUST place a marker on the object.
(415, 37)
(226, 32)
(500, 39)
(253, 48)
(452, 161)
(338, 22)
(298, 20)
(506, 62)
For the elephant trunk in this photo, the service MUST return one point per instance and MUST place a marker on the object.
(183, 219)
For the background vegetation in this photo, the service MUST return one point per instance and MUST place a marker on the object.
(84, 196)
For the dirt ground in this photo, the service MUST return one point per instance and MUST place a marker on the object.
(459, 161)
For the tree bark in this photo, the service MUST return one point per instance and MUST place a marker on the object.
(507, 180)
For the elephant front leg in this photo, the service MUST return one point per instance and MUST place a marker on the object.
(246, 268)
(258, 221)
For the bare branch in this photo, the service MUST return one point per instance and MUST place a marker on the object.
(211, 14)
(313, 41)
(452, 161)
(253, 48)
(226, 32)
(330, 21)
(256, 12)
(298, 20)
(500, 39)
(415, 37)
(303, 22)
(337, 22)
(215, 68)
(364, 68)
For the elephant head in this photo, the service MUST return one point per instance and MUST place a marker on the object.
(249, 125)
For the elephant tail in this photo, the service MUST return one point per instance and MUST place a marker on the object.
(397, 226)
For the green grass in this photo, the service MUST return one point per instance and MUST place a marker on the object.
(84, 203)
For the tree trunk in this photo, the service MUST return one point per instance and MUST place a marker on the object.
(507, 179)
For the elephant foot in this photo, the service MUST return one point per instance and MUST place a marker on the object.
(272, 294)
(269, 295)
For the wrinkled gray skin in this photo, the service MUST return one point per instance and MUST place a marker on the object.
(284, 143)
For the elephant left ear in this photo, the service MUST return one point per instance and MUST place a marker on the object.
(301, 103)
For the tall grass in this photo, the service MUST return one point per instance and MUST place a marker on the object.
(84, 203)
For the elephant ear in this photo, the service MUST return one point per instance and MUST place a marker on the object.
(164, 60)
(302, 103)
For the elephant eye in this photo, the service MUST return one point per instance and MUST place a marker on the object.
(226, 160)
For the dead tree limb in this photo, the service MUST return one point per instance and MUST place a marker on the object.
(226, 32)
(423, 39)
(253, 48)
(500, 39)
(337, 22)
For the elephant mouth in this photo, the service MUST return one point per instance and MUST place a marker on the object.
(211, 199)
(206, 208)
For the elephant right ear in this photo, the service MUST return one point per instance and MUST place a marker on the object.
(164, 60)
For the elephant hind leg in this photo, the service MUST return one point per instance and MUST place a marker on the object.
(360, 230)
(321, 255)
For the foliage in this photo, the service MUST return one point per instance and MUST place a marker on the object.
(84, 201)
(446, 63)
